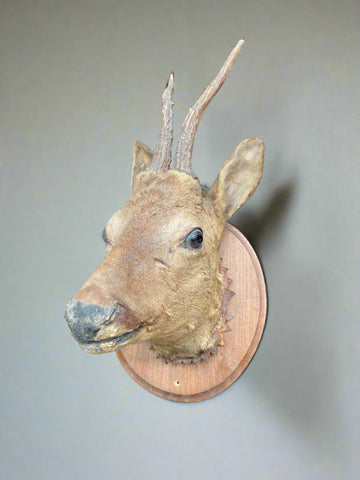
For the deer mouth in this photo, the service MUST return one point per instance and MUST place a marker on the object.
(109, 344)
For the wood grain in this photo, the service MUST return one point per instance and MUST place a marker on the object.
(203, 380)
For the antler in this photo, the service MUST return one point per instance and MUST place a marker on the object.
(183, 153)
(162, 156)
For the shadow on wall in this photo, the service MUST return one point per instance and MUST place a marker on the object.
(256, 226)
(296, 370)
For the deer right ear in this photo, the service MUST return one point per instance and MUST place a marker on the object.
(239, 176)
(142, 160)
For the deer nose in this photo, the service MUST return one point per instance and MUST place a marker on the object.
(85, 320)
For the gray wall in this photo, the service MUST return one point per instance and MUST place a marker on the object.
(80, 81)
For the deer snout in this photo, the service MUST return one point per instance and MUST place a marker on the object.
(98, 329)
(86, 320)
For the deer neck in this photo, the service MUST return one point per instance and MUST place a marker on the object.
(198, 335)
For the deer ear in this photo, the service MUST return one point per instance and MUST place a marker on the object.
(239, 176)
(142, 159)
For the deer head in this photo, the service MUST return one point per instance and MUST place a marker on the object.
(160, 281)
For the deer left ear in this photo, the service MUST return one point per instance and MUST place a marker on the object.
(142, 159)
(239, 176)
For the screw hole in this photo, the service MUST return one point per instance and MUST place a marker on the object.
(177, 383)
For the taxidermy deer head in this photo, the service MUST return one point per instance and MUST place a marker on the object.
(160, 281)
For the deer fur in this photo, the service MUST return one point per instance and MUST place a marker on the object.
(160, 281)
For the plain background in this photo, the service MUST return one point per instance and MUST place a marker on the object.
(80, 81)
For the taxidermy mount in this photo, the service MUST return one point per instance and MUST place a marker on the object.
(160, 281)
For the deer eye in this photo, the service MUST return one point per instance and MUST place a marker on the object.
(193, 240)
(105, 238)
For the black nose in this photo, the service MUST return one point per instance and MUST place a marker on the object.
(85, 320)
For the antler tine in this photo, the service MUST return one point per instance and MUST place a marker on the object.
(162, 156)
(183, 153)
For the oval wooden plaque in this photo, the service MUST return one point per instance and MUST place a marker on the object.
(203, 380)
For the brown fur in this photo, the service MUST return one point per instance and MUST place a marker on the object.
(172, 293)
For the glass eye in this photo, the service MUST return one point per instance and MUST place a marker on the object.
(193, 239)
(106, 238)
